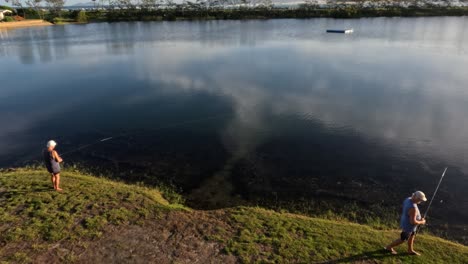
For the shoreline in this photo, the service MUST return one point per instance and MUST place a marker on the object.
(187, 13)
(24, 24)
(182, 13)
(96, 220)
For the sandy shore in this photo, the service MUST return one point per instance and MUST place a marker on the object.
(24, 23)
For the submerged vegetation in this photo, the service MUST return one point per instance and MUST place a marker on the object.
(95, 215)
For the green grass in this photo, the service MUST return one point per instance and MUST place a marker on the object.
(265, 236)
(63, 21)
(34, 218)
(8, 19)
(32, 212)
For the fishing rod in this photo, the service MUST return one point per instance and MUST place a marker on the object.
(432, 199)
(435, 192)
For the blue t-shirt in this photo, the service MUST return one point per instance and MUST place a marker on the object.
(405, 222)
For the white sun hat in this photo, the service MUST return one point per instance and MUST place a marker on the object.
(420, 195)
(51, 143)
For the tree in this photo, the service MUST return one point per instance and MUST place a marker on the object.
(148, 4)
(55, 6)
(81, 17)
(18, 4)
(36, 5)
(309, 4)
(201, 4)
(268, 4)
(214, 3)
(152, 4)
(125, 4)
(170, 3)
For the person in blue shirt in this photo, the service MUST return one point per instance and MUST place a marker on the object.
(410, 219)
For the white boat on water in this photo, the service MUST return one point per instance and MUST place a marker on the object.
(345, 31)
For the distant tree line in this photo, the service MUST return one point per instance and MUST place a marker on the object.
(132, 10)
(53, 7)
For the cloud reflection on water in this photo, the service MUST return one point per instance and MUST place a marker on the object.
(354, 81)
(412, 98)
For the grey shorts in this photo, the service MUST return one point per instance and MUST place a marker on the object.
(54, 171)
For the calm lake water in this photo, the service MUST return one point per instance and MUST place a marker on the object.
(274, 108)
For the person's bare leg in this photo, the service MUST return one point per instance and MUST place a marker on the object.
(410, 246)
(395, 243)
(52, 178)
(57, 182)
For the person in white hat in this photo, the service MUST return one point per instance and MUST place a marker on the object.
(410, 219)
(52, 162)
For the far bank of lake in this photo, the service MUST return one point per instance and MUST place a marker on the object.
(201, 12)
(184, 13)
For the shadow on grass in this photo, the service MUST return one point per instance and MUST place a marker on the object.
(369, 255)
(25, 191)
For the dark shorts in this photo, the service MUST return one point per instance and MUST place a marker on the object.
(405, 235)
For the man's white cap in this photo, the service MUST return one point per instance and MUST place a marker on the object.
(420, 195)
(51, 143)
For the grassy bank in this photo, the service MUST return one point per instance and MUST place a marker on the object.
(268, 236)
(96, 219)
(33, 216)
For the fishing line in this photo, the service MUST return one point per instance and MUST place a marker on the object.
(187, 122)
(156, 129)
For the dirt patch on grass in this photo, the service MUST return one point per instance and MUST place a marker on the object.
(177, 237)
(99, 221)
